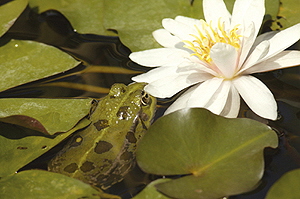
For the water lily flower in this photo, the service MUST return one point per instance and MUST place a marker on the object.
(214, 58)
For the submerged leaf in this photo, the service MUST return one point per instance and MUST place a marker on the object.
(42, 184)
(48, 116)
(26, 61)
(9, 12)
(217, 155)
(17, 150)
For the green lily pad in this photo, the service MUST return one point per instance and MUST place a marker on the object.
(48, 116)
(286, 187)
(150, 191)
(25, 61)
(217, 156)
(135, 20)
(42, 184)
(85, 16)
(17, 150)
(288, 15)
(9, 12)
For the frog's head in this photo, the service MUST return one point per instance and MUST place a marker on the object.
(135, 101)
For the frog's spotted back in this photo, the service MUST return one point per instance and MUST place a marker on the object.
(104, 152)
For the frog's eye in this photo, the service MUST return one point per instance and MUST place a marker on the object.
(145, 98)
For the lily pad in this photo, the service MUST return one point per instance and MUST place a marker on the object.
(42, 184)
(48, 116)
(25, 61)
(286, 187)
(135, 20)
(288, 15)
(85, 16)
(217, 156)
(9, 12)
(16, 150)
(150, 191)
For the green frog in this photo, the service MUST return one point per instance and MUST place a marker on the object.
(104, 152)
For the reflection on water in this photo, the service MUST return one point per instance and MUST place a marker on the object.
(105, 62)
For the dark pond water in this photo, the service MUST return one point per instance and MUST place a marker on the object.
(54, 29)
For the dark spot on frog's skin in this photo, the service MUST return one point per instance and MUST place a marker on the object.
(123, 113)
(22, 147)
(87, 166)
(71, 168)
(101, 124)
(126, 156)
(144, 116)
(131, 137)
(102, 147)
(76, 141)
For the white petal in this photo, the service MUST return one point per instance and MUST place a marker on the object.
(283, 40)
(284, 59)
(214, 10)
(215, 104)
(218, 100)
(164, 38)
(232, 106)
(172, 84)
(246, 12)
(247, 40)
(159, 57)
(258, 53)
(257, 96)
(225, 57)
(155, 74)
(201, 68)
(181, 30)
(203, 95)
(181, 102)
(263, 37)
(188, 21)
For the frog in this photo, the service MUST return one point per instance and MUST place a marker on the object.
(104, 152)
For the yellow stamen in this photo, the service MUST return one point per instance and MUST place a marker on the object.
(208, 37)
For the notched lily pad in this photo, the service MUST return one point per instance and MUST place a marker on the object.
(17, 150)
(217, 156)
(48, 116)
(42, 184)
(9, 12)
(26, 61)
(286, 187)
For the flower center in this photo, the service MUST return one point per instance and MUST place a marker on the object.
(208, 36)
